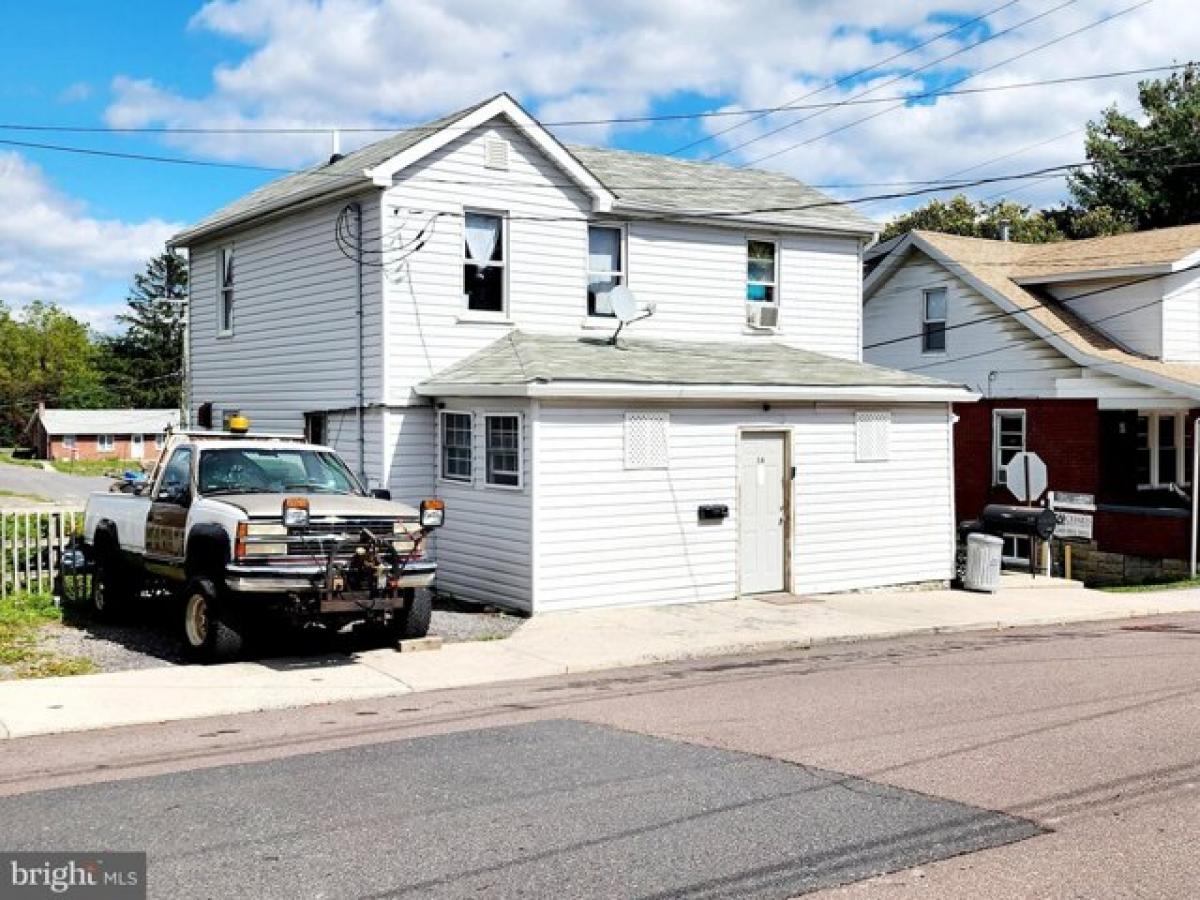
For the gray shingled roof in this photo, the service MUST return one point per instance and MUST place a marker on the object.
(632, 177)
(520, 358)
(108, 421)
(636, 178)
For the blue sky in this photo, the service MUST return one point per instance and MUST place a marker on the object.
(75, 228)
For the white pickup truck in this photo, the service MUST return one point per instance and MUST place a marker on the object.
(239, 527)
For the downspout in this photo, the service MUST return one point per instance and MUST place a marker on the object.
(358, 290)
(1195, 493)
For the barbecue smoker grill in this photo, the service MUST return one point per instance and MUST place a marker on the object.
(1000, 520)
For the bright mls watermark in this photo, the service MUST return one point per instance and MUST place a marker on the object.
(95, 876)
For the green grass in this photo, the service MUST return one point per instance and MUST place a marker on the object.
(94, 466)
(6, 456)
(1165, 585)
(22, 618)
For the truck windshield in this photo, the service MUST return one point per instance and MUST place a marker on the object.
(253, 470)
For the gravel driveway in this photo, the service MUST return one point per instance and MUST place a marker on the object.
(149, 637)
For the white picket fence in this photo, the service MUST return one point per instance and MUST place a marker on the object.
(33, 541)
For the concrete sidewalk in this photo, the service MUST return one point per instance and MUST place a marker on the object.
(556, 644)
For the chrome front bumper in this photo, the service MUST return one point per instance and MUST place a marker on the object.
(305, 579)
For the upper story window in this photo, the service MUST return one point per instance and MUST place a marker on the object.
(225, 290)
(606, 267)
(483, 262)
(761, 271)
(1008, 439)
(933, 321)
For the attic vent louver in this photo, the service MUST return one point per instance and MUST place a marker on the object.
(496, 154)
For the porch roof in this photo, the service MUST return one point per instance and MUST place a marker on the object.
(526, 364)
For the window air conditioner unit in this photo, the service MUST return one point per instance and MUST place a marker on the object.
(762, 315)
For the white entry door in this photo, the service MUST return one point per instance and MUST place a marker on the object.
(762, 510)
(136, 448)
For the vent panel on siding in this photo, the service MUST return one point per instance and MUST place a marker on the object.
(871, 434)
(496, 153)
(646, 440)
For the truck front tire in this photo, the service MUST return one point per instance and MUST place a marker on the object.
(413, 620)
(208, 633)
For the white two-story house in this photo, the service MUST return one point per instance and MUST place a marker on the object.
(436, 306)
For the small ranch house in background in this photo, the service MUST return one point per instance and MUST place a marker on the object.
(1085, 352)
(436, 306)
(101, 433)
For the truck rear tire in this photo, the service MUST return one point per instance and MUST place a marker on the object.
(109, 588)
(209, 635)
(413, 620)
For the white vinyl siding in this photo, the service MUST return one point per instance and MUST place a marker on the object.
(296, 343)
(607, 534)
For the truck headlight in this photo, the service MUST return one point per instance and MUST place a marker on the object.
(433, 513)
(295, 512)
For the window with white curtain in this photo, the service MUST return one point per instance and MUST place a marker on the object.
(483, 262)
(606, 267)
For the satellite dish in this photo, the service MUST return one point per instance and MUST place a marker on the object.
(624, 304)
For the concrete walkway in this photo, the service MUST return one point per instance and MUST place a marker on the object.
(556, 644)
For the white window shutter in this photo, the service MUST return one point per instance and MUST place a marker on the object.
(871, 436)
(646, 445)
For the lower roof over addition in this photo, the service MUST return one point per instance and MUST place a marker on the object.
(523, 364)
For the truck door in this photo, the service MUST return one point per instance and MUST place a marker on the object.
(166, 523)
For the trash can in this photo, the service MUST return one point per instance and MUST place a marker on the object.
(983, 562)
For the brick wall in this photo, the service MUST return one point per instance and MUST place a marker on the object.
(87, 447)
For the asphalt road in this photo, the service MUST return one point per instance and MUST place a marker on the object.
(716, 778)
(58, 487)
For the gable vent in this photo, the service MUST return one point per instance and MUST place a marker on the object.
(495, 153)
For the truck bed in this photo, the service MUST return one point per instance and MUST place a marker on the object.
(126, 511)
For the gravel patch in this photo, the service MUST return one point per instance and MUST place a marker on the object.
(148, 639)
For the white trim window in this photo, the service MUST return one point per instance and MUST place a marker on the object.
(762, 271)
(1017, 550)
(502, 449)
(68, 441)
(1162, 449)
(483, 262)
(934, 310)
(606, 267)
(225, 272)
(105, 443)
(454, 440)
(1008, 439)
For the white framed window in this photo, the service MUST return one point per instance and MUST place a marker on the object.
(762, 271)
(68, 441)
(1008, 439)
(1162, 449)
(647, 443)
(502, 449)
(933, 320)
(104, 443)
(483, 262)
(225, 291)
(871, 434)
(455, 441)
(606, 266)
(1018, 548)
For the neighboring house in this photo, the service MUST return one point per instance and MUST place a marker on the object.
(101, 433)
(1085, 352)
(732, 443)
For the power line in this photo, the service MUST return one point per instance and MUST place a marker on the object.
(975, 74)
(756, 115)
(901, 77)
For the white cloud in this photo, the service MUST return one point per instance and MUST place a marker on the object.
(76, 92)
(51, 248)
(364, 62)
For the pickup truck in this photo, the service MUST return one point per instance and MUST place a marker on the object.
(238, 527)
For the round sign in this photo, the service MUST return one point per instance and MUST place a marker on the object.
(1025, 476)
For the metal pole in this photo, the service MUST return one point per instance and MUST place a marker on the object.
(1195, 493)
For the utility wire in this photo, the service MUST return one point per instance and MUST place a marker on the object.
(955, 83)
(756, 115)
(901, 77)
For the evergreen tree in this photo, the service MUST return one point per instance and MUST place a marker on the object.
(145, 363)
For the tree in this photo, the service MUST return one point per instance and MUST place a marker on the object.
(1144, 173)
(963, 216)
(145, 362)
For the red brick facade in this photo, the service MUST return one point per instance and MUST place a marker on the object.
(87, 446)
(1066, 434)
